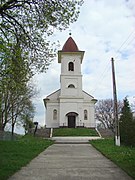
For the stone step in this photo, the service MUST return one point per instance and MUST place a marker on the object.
(74, 140)
(71, 143)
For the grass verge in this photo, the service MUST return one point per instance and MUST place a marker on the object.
(74, 132)
(123, 156)
(16, 154)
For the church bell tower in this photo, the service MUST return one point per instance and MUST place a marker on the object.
(71, 78)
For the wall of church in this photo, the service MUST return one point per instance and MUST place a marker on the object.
(52, 115)
(79, 108)
(90, 121)
(66, 90)
(69, 106)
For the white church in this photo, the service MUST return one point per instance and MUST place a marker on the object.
(70, 106)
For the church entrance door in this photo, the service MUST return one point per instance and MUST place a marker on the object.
(71, 121)
(71, 117)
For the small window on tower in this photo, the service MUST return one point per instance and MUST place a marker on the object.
(71, 86)
(71, 66)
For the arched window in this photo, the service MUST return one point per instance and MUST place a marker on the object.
(54, 114)
(71, 86)
(85, 114)
(71, 66)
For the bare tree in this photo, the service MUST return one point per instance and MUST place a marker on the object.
(104, 112)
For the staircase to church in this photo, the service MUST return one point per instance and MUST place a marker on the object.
(46, 132)
(75, 139)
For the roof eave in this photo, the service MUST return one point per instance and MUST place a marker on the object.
(60, 53)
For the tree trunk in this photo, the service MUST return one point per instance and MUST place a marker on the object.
(13, 125)
(1, 127)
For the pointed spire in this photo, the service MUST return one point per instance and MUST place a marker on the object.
(70, 46)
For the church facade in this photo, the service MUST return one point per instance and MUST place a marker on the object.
(70, 106)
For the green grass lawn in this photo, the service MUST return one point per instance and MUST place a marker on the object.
(123, 156)
(74, 132)
(15, 154)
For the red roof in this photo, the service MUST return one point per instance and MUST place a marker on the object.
(70, 46)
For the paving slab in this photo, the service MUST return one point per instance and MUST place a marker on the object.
(70, 162)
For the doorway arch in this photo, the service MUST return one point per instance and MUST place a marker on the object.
(71, 117)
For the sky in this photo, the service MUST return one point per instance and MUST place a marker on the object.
(104, 29)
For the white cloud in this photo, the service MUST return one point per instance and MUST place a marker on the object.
(101, 29)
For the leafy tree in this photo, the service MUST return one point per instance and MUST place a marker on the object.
(28, 125)
(104, 112)
(27, 118)
(127, 125)
(31, 22)
(22, 106)
(25, 29)
(14, 90)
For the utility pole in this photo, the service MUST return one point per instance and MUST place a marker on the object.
(117, 131)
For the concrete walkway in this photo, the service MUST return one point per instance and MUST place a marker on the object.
(70, 162)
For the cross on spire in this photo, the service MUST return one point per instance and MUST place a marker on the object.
(70, 33)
